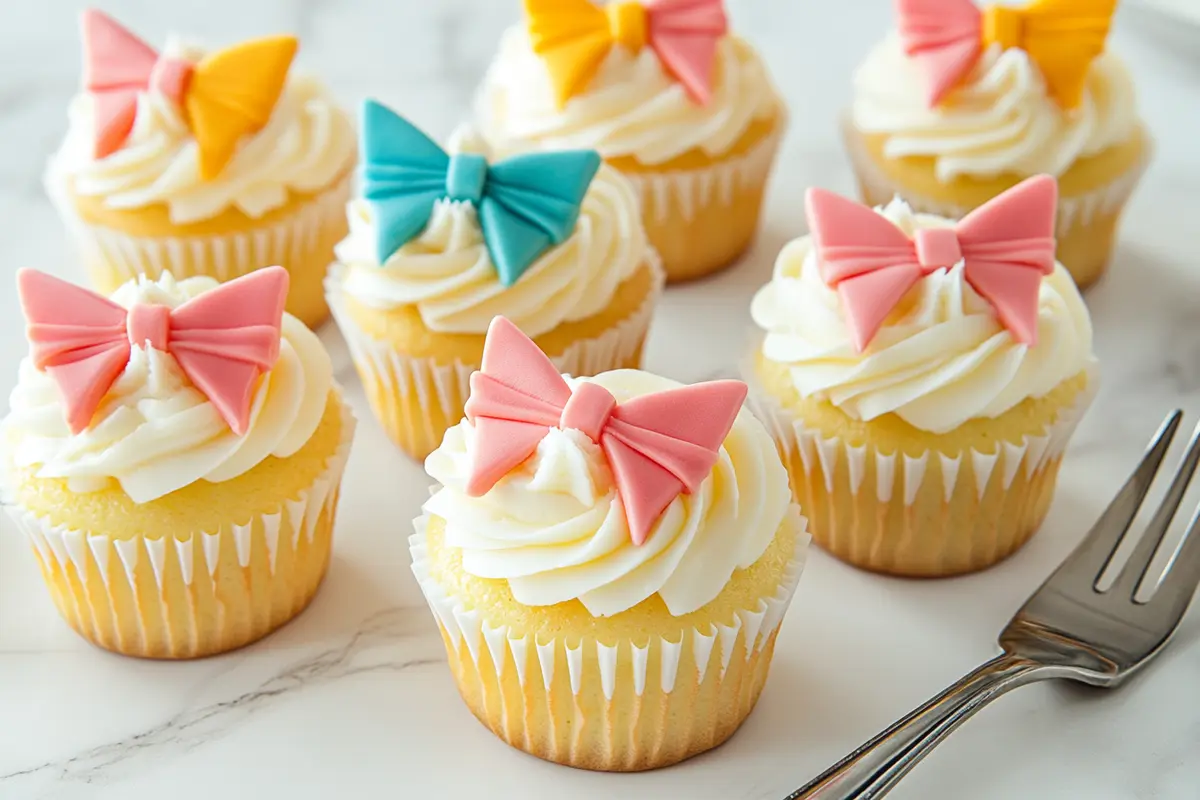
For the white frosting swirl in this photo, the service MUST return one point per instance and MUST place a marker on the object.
(940, 359)
(447, 274)
(307, 144)
(155, 432)
(1001, 120)
(633, 107)
(556, 531)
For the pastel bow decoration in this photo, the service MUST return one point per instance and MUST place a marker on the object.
(657, 445)
(574, 37)
(222, 340)
(525, 204)
(1062, 37)
(1007, 246)
(225, 96)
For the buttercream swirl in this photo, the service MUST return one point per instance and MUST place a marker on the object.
(446, 272)
(940, 359)
(306, 145)
(155, 432)
(555, 530)
(633, 107)
(1000, 120)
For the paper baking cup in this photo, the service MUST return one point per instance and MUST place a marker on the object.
(614, 706)
(701, 220)
(926, 515)
(418, 399)
(302, 243)
(1085, 226)
(186, 598)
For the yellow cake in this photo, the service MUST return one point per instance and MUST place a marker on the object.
(168, 535)
(934, 450)
(700, 164)
(1016, 112)
(572, 642)
(150, 202)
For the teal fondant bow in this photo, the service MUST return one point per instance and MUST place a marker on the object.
(525, 204)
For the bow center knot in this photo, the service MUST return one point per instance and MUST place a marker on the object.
(149, 326)
(1003, 26)
(937, 248)
(171, 77)
(627, 21)
(466, 177)
(588, 410)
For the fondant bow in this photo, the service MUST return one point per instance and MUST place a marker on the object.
(525, 204)
(1007, 246)
(223, 339)
(573, 37)
(224, 96)
(1062, 37)
(657, 445)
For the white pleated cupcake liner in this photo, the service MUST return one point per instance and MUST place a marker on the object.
(446, 387)
(1074, 211)
(291, 240)
(714, 648)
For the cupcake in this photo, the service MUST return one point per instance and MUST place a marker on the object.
(198, 164)
(174, 455)
(440, 244)
(921, 377)
(608, 559)
(666, 95)
(961, 105)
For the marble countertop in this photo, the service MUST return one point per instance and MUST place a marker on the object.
(354, 699)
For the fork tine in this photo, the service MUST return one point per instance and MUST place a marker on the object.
(1182, 573)
(1096, 550)
(1134, 571)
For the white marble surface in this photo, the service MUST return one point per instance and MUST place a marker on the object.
(354, 699)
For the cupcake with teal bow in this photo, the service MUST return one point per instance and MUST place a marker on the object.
(442, 242)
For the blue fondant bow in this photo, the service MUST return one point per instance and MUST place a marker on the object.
(525, 204)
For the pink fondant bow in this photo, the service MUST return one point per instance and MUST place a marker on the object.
(223, 339)
(943, 37)
(657, 445)
(1007, 246)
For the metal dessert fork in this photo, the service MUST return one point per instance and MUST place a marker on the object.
(1070, 628)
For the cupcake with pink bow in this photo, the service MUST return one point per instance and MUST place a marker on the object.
(922, 377)
(608, 558)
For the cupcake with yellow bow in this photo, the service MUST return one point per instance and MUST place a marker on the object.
(922, 377)
(962, 104)
(202, 164)
(173, 454)
(440, 243)
(666, 94)
(608, 559)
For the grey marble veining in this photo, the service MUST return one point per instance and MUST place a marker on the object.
(353, 698)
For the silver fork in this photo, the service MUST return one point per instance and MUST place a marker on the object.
(1070, 628)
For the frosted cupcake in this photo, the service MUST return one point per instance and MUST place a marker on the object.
(922, 377)
(666, 95)
(202, 164)
(440, 244)
(962, 104)
(174, 456)
(608, 559)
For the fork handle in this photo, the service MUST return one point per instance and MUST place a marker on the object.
(876, 767)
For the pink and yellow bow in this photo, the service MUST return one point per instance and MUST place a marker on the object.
(222, 340)
(1007, 246)
(574, 37)
(1062, 37)
(657, 445)
(223, 97)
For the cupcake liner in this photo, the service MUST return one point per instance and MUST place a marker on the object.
(184, 598)
(301, 241)
(418, 399)
(958, 513)
(575, 700)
